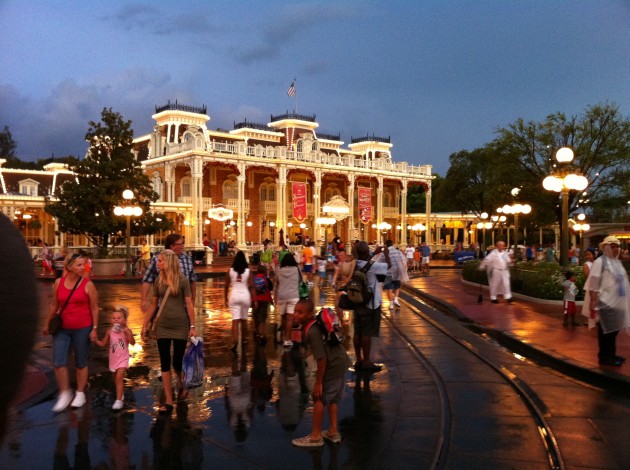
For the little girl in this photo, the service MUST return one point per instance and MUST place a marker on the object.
(119, 337)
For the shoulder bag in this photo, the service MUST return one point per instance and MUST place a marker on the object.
(55, 323)
(302, 286)
(154, 320)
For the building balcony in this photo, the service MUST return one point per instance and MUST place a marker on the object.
(234, 205)
(206, 201)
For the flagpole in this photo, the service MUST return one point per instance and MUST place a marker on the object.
(295, 106)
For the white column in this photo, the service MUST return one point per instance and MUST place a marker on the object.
(403, 212)
(351, 217)
(196, 167)
(241, 206)
(428, 213)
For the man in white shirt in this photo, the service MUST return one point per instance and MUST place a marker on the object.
(497, 265)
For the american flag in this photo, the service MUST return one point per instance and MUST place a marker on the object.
(291, 90)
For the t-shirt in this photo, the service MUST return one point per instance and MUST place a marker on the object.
(307, 254)
(336, 357)
(145, 252)
(570, 289)
(409, 251)
(426, 250)
(321, 265)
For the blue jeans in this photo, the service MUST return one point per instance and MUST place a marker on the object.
(79, 339)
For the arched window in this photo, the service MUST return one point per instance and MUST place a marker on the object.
(185, 186)
(263, 192)
(387, 200)
(230, 190)
(158, 185)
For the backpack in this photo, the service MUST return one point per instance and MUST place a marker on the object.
(260, 284)
(329, 325)
(357, 291)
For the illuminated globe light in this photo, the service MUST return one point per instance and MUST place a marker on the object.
(507, 209)
(118, 210)
(577, 182)
(484, 215)
(127, 194)
(128, 210)
(137, 211)
(553, 183)
(480, 225)
(517, 208)
(564, 155)
(526, 209)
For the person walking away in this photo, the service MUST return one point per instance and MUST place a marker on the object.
(175, 324)
(286, 295)
(308, 255)
(79, 320)
(394, 274)
(607, 302)
(425, 250)
(46, 256)
(118, 338)
(332, 362)
(497, 264)
(263, 287)
(367, 319)
(416, 259)
(240, 295)
(570, 291)
(174, 242)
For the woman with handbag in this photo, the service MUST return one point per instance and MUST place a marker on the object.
(286, 294)
(240, 295)
(77, 319)
(173, 323)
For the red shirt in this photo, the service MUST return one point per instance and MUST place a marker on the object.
(77, 313)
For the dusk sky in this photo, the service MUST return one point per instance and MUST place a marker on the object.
(436, 76)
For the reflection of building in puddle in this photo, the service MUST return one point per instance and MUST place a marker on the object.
(261, 379)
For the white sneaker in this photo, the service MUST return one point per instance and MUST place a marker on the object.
(391, 306)
(63, 401)
(396, 302)
(118, 405)
(79, 400)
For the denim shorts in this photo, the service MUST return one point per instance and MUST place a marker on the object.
(78, 339)
(332, 390)
(392, 285)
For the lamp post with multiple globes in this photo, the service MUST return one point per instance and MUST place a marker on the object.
(562, 182)
(581, 227)
(515, 209)
(128, 211)
(483, 226)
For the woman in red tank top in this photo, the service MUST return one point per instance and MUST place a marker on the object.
(79, 320)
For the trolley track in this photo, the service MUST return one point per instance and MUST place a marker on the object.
(493, 358)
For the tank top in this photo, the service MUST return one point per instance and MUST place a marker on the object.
(77, 313)
(118, 351)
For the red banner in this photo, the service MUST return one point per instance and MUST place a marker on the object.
(298, 190)
(365, 204)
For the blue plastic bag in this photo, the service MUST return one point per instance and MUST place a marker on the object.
(193, 364)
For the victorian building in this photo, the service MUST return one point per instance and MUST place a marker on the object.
(248, 183)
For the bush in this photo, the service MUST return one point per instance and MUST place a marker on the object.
(540, 280)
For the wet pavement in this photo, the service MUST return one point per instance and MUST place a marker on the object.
(251, 406)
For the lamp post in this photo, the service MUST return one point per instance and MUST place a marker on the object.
(324, 223)
(483, 226)
(384, 227)
(581, 227)
(516, 209)
(562, 183)
(128, 211)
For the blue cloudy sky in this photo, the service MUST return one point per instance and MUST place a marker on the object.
(436, 76)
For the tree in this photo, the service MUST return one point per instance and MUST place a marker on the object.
(85, 206)
(7, 144)
(600, 141)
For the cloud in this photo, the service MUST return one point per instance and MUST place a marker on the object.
(287, 26)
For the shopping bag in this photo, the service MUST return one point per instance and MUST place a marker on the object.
(193, 363)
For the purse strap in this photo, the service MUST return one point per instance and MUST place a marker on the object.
(71, 292)
(162, 304)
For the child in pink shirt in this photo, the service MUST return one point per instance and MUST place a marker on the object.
(118, 337)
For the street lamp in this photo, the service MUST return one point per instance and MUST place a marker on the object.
(325, 222)
(581, 227)
(384, 227)
(516, 209)
(562, 183)
(483, 226)
(128, 211)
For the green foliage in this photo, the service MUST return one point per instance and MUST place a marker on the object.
(85, 206)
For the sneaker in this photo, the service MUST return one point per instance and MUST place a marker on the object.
(307, 442)
(331, 437)
(288, 343)
(118, 405)
(391, 306)
(396, 303)
(63, 401)
(79, 400)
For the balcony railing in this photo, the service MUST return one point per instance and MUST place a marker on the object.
(253, 125)
(181, 107)
(235, 206)
(321, 135)
(373, 138)
(206, 203)
(301, 117)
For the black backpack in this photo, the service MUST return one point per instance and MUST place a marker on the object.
(357, 290)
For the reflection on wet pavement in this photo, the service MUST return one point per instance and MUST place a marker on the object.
(244, 416)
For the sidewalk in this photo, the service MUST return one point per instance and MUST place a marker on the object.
(531, 327)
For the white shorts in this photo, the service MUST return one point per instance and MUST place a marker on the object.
(425, 259)
(240, 305)
(286, 306)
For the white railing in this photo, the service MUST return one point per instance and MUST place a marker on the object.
(281, 153)
(235, 206)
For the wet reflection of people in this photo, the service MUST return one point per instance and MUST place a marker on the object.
(175, 443)
(292, 390)
(78, 419)
(261, 379)
(119, 456)
(238, 396)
